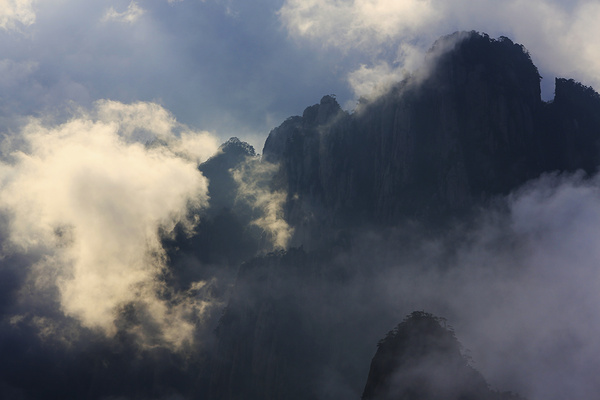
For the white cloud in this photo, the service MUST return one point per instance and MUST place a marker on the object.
(90, 201)
(15, 13)
(350, 23)
(141, 117)
(195, 146)
(130, 15)
(144, 122)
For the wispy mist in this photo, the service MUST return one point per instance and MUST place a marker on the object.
(254, 179)
(520, 286)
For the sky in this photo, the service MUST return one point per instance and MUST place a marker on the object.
(238, 68)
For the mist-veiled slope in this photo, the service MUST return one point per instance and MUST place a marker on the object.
(266, 348)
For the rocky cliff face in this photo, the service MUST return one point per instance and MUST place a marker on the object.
(473, 128)
(572, 127)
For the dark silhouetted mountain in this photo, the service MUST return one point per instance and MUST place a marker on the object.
(474, 127)
(421, 359)
(434, 147)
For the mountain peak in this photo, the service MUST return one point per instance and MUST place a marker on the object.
(235, 145)
(421, 359)
(462, 57)
(322, 113)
